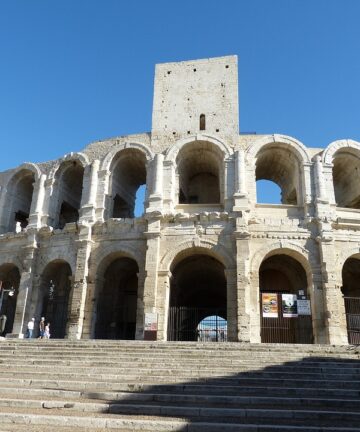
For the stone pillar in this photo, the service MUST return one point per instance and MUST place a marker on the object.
(88, 209)
(3, 210)
(101, 212)
(306, 186)
(23, 301)
(79, 289)
(140, 310)
(240, 196)
(227, 184)
(163, 303)
(38, 203)
(155, 198)
(232, 305)
(50, 203)
(170, 187)
(242, 238)
(334, 314)
(151, 269)
(319, 181)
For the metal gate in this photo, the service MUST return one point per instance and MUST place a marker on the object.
(197, 324)
(352, 310)
(286, 330)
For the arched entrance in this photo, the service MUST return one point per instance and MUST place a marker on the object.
(351, 292)
(200, 173)
(10, 279)
(346, 175)
(197, 291)
(117, 301)
(54, 299)
(284, 301)
(20, 193)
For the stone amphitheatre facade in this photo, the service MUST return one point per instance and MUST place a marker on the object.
(73, 250)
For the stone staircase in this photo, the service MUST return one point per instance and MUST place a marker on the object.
(63, 386)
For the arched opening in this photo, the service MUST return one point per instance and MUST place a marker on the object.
(268, 192)
(202, 122)
(20, 193)
(117, 301)
(279, 165)
(212, 329)
(10, 280)
(197, 291)
(70, 185)
(200, 173)
(346, 176)
(128, 184)
(54, 296)
(351, 292)
(284, 300)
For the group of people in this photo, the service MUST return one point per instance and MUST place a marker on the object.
(44, 329)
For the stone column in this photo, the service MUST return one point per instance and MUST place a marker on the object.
(170, 188)
(232, 305)
(163, 302)
(240, 196)
(3, 210)
(242, 238)
(151, 268)
(38, 203)
(101, 212)
(319, 181)
(88, 209)
(50, 203)
(334, 314)
(155, 198)
(23, 301)
(79, 289)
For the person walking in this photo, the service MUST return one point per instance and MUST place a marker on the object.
(47, 331)
(42, 328)
(30, 328)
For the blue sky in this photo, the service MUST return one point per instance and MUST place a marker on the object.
(75, 71)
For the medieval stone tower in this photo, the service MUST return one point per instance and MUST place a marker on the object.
(72, 249)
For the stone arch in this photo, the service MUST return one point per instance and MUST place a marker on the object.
(342, 165)
(20, 196)
(55, 255)
(173, 151)
(101, 256)
(80, 157)
(127, 167)
(281, 160)
(287, 248)
(344, 255)
(332, 148)
(108, 160)
(208, 247)
(14, 261)
(297, 147)
(67, 189)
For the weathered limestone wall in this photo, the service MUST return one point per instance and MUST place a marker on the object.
(234, 229)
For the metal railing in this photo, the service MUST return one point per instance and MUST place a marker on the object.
(352, 310)
(197, 324)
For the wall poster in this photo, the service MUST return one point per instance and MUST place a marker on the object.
(289, 305)
(269, 305)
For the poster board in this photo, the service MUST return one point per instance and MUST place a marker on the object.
(269, 305)
(289, 305)
(303, 307)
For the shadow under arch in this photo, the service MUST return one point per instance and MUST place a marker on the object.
(198, 288)
(351, 291)
(54, 296)
(10, 279)
(115, 306)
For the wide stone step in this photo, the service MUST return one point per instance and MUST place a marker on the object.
(56, 423)
(38, 398)
(189, 415)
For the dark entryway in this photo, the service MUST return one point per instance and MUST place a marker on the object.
(10, 279)
(281, 275)
(55, 289)
(351, 291)
(198, 291)
(117, 302)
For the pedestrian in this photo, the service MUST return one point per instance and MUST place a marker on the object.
(30, 328)
(47, 331)
(42, 328)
